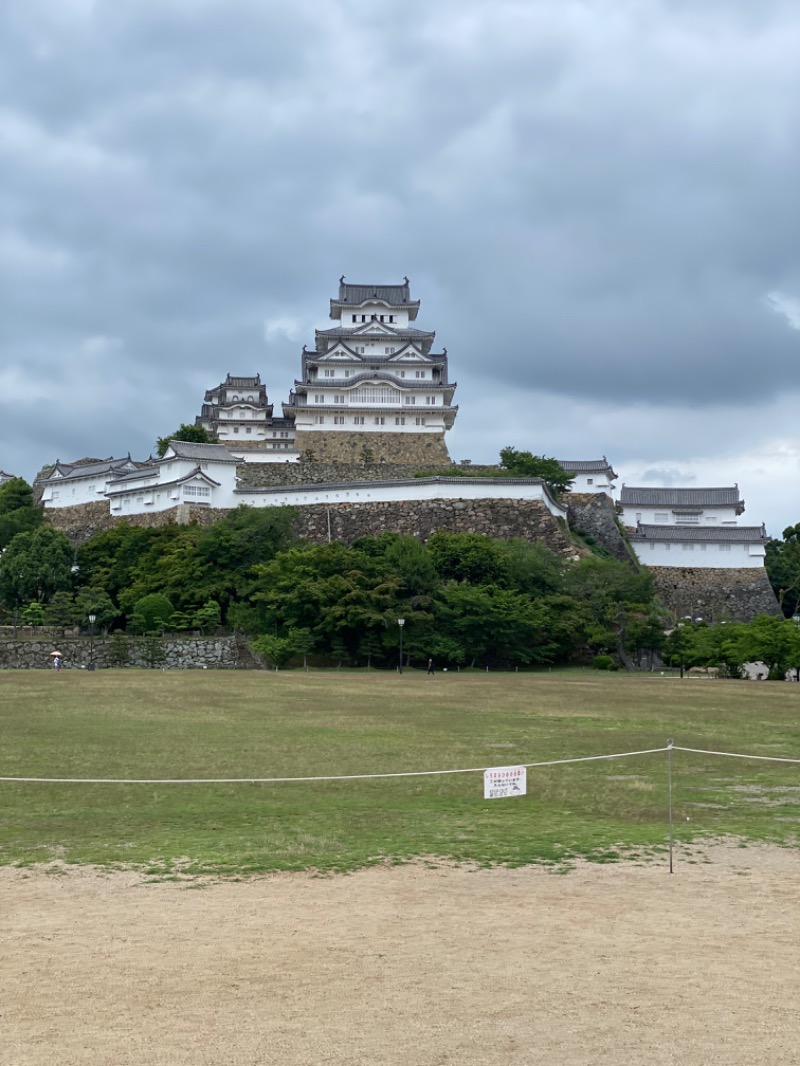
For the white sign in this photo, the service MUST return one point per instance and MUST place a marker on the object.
(499, 782)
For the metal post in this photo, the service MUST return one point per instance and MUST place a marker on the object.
(401, 622)
(670, 742)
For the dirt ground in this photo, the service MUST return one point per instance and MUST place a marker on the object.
(417, 965)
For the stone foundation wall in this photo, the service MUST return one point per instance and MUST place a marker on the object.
(261, 475)
(404, 448)
(714, 595)
(188, 653)
(594, 514)
(527, 519)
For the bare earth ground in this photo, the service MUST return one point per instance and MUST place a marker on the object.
(614, 964)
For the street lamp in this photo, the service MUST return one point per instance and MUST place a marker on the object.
(92, 620)
(401, 622)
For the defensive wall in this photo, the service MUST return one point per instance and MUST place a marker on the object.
(714, 595)
(180, 653)
(346, 522)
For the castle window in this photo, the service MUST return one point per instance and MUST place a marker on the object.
(338, 420)
(420, 421)
(391, 318)
(590, 481)
(358, 420)
(380, 420)
(235, 429)
(388, 351)
(419, 373)
(381, 318)
(319, 397)
(329, 373)
(373, 318)
(724, 547)
(399, 421)
(319, 420)
(430, 399)
(409, 399)
(339, 397)
(363, 318)
(354, 318)
(402, 373)
(688, 547)
(249, 429)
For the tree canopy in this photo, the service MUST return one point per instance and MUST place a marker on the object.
(192, 434)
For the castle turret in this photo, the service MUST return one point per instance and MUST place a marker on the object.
(372, 384)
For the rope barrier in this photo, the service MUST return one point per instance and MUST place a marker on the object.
(735, 755)
(288, 780)
(373, 777)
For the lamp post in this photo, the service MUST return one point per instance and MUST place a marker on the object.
(92, 620)
(401, 622)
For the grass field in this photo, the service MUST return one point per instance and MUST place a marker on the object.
(153, 724)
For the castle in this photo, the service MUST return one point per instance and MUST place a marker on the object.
(367, 415)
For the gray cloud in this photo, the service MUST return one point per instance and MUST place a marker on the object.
(594, 203)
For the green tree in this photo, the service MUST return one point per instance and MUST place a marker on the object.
(184, 432)
(275, 650)
(301, 642)
(33, 615)
(94, 601)
(770, 640)
(370, 646)
(468, 557)
(60, 611)
(525, 464)
(35, 566)
(18, 512)
(208, 618)
(782, 563)
(154, 611)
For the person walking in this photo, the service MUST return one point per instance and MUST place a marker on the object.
(431, 671)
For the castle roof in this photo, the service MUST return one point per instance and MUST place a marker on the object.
(217, 453)
(587, 466)
(661, 497)
(397, 296)
(4, 476)
(83, 469)
(700, 534)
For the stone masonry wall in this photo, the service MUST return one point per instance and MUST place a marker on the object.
(594, 513)
(714, 595)
(527, 519)
(261, 475)
(403, 448)
(188, 653)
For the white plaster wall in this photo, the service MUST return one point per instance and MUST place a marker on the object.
(401, 491)
(600, 483)
(714, 557)
(71, 493)
(434, 421)
(722, 515)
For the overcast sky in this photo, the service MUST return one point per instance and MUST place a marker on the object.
(597, 204)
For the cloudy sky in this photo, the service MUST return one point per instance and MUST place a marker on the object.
(596, 203)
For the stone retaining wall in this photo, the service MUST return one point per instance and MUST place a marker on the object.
(404, 448)
(594, 514)
(181, 653)
(714, 595)
(346, 522)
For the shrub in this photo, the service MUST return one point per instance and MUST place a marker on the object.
(604, 662)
